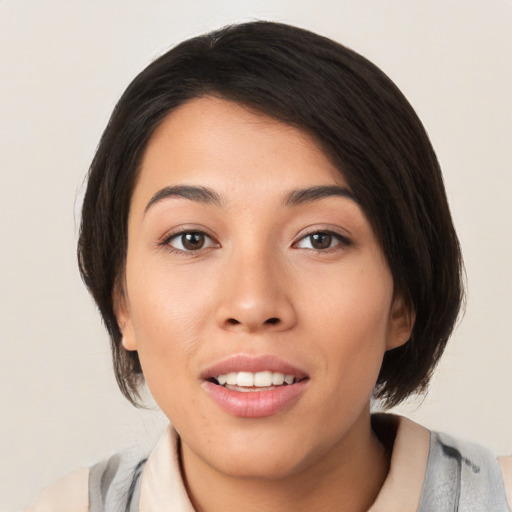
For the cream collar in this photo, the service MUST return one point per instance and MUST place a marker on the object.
(162, 487)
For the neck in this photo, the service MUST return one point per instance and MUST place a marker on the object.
(347, 478)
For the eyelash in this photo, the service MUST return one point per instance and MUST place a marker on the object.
(342, 242)
(179, 235)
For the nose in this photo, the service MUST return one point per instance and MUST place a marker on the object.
(256, 294)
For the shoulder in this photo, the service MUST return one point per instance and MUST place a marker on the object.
(99, 487)
(434, 471)
(466, 473)
(116, 480)
(69, 494)
(506, 469)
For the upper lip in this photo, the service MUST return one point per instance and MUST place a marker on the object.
(254, 364)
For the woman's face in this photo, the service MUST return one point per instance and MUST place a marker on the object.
(249, 262)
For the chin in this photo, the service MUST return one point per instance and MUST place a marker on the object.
(260, 465)
(260, 454)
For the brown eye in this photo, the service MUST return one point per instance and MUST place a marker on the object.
(323, 240)
(190, 241)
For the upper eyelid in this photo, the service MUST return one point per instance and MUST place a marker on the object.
(343, 240)
(343, 236)
(182, 230)
(166, 243)
(330, 231)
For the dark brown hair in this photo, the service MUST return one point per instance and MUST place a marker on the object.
(364, 124)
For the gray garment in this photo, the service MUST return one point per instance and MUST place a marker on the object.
(114, 484)
(460, 477)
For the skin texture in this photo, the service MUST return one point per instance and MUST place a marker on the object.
(333, 310)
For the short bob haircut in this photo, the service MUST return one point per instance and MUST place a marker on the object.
(365, 126)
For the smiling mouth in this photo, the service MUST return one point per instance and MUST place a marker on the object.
(244, 381)
(254, 386)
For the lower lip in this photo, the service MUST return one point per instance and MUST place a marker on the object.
(255, 404)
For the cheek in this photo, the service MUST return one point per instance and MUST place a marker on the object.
(166, 327)
(357, 300)
(169, 312)
(351, 317)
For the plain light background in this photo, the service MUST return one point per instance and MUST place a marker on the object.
(63, 65)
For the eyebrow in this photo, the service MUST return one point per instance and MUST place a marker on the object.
(206, 195)
(312, 194)
(194, 193)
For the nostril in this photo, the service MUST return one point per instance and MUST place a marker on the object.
(270, 321)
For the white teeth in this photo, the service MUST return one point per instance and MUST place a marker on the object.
(263, 379)
(277, 378)
(245, 379)
(230, 378)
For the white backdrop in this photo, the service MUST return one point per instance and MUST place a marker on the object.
(64, 64)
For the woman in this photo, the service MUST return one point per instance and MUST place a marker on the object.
(266, 234)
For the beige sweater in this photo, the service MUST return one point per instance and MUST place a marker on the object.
(162, 486)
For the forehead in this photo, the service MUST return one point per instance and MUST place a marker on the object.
(215, 142)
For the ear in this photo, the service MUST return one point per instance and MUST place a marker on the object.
(124, 318)
(401, 322)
